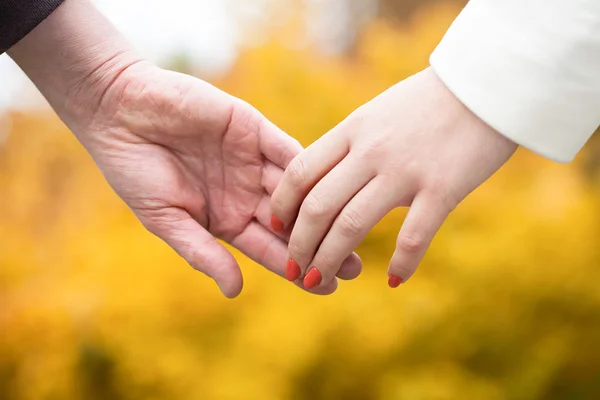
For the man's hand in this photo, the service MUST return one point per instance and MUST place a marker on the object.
(415, 145)
(194, 163)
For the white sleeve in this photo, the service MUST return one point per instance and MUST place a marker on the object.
(528, 68)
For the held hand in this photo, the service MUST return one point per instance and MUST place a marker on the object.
(194, 163)
(415, 145)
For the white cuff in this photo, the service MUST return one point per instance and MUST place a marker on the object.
(529, 68)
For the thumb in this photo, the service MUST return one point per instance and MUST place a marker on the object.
(198, 247)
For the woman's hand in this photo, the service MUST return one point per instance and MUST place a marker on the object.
(194, 163)
(415, 145)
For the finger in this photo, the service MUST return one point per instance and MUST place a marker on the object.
(270, 251)
(303, 173)
(276, 145)
(263, 216)
(321, 207)
(351, 226)
(271, 176)
(198, 247)
(425, 217)
(351, 267)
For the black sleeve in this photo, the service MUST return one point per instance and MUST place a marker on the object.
(19, 17)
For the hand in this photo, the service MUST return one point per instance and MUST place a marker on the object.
(415, 145)
(192, 162)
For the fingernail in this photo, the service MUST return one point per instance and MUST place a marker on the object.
(312, 279)
(394, 281)
(276, 224)
(292, 272)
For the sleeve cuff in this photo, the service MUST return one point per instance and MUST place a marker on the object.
(530, 72)
(19, 17)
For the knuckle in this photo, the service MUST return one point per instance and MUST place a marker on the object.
(439, 189)
(288, 150)
(158, 219)
(373, 149)
(277, 206)
(350, 224)
(326, 264)
(313, 208)
(297, 172)
(296, 252)
(410, 245)
(194, 255)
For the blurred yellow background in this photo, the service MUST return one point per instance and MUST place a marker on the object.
(505, 306)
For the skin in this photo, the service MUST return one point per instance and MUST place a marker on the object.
(413, 146)
(193, 163)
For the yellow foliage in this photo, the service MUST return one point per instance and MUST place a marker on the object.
(505, 305)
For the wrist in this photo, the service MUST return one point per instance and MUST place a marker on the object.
(74, 57)
(461, 115)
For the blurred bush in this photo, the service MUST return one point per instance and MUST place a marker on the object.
(505, 305)
(401, 10)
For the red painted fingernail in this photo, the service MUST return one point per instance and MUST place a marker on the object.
(292, 272)
(276, 224)
(394, 281)
(312, 279)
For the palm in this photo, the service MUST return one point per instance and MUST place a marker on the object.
(214, 171)
(194, 163)
(215, 175)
